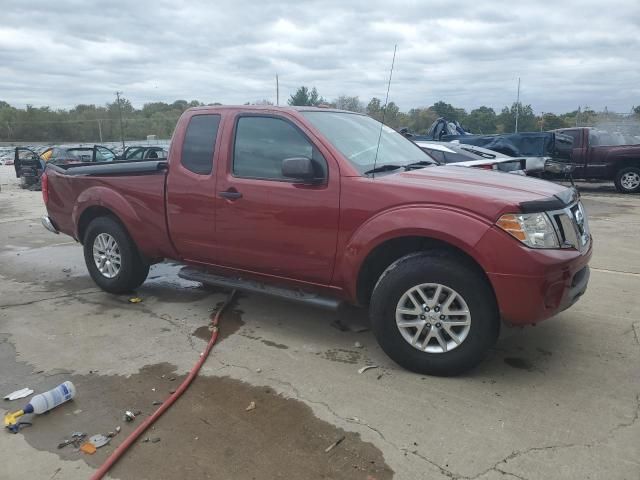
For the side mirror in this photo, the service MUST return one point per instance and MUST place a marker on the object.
(302, 169)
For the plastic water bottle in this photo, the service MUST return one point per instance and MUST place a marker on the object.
(44, 402)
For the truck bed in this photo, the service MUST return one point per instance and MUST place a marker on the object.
(134, 189)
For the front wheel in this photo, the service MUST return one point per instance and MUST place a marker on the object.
(112, 257)
(434, 313)
(628, 180)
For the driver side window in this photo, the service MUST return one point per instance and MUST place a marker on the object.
(262, 143)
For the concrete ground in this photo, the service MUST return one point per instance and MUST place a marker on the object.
(559, 400)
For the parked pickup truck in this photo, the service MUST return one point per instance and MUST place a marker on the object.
(324, 206)
(601, 155)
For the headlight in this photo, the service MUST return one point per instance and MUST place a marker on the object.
(532, 229)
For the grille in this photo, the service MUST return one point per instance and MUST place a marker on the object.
(572, 226)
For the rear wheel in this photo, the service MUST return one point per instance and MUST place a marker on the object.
(434, 313)
(112, 257)
(628, 180)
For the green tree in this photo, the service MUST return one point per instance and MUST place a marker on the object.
(550, 121)
(306, 97)
(352, 104)
(482, 120)
(449, 112)
(527, 121)
(374, 108)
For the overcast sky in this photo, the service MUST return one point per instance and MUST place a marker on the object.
(468, 52)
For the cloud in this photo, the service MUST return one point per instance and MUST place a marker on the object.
(467, 53)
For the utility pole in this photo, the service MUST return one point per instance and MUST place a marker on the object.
(121, 127)
(277, 91)
(518, 105)
(541, 121)
(99, 128)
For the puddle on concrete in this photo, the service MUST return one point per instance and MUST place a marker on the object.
(206, 434)
(231, 324)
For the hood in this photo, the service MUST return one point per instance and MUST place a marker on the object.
(487, 193)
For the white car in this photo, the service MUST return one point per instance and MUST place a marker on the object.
(471, 156)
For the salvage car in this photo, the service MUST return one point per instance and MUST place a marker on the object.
(601, 155)
(472, 156)
(321, 207)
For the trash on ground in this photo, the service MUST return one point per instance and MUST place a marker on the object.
(118, 429)
(41, 403)
(367, 367)
(135, 300)
(130, 416)
(77, 439)
(146, 440)
(357, 345)
(252, 406)
(334, 444)
(155, 440)
(88, 448)
(157, 402)
(99, 440)
(25, 392)
(258, 370)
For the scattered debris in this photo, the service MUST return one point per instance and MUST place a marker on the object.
(334, 444)
(172, 392)
(130, 416)
(88, 448)
(153, 389)
(77, 439)
(118, 429)
(66, 270)
(99, 440)
(78, 411)
(171, 379)
(25, 392)
(146, 440)
(157, 402)
(357, 345)
(252, 406)
(135, 300)
(367, 367)
(155, 440)
(258, 370)
(380, 376)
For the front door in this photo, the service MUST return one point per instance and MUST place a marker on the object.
(267, 223)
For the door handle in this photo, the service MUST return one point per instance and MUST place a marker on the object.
(231, 194)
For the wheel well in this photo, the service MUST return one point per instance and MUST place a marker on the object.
(88, 216)
(388, 252)
(629, 162)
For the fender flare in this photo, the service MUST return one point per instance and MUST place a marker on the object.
(99, 196)
(436, 222)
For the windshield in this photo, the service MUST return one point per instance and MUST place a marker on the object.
(356, 137)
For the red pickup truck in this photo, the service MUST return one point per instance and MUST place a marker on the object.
(324, 206)
(601, 155)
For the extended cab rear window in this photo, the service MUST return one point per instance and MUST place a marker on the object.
(199, 143)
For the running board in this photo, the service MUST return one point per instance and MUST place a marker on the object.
(252, 286)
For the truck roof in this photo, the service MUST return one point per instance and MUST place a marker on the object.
(271, 108)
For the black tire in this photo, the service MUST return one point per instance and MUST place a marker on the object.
(620, 185)
(133, 269)
(448, 269)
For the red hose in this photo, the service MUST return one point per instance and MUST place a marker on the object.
(133, 436)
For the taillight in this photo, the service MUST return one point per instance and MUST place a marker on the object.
(44, 182)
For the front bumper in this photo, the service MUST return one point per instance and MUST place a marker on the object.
(533, 285)
(48, 224)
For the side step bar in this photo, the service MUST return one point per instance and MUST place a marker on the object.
(252, 286)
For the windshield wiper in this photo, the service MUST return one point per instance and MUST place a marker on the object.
(420, 164)
(383, 168)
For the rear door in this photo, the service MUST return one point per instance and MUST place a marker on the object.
(269, 224)
(191, 189)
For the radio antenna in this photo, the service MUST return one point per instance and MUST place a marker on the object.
(384, 110)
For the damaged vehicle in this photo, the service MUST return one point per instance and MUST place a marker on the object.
(324, 207)
(474, 157)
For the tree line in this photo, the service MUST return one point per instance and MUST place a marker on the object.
(94, 123)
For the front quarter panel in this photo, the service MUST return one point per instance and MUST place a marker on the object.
(460, 229)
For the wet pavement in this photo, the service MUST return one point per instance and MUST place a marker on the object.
(559, 400)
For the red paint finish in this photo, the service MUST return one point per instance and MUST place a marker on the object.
(319, 236)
